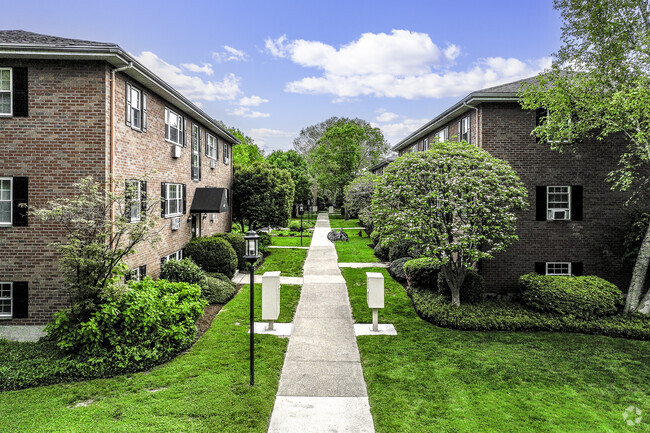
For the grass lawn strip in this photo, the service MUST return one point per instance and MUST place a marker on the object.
(285, 241)
(204, 389)
(433, 379)
(338, 221)
(289, 261)
(356, 250)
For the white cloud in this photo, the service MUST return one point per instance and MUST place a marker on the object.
(270, 139)
(194, 88)
(247, 112)
(402, 64)
(386, 117)
(394, 132)
(230, 54)
(206, 68)
(252, 101)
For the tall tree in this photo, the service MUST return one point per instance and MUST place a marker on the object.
(247, 152)
(599, 86)
(296, 165)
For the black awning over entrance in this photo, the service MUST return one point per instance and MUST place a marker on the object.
(210, 200)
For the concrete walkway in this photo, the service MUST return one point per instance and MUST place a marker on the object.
(322, 387)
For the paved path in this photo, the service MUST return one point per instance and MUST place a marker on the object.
(245, 278)
(364, 265)
(322, 387)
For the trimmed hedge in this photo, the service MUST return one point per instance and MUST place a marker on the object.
(401, 249)
(381, 252)
(212, 255)
(471, 291)
(217, 291)
(506, 316)
(265, 241)
(583, 297)
(396, 269)
(375, 238)
(182, 271)
(422, 273)
(237, 242)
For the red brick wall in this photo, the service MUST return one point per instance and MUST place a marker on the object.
(596, 240)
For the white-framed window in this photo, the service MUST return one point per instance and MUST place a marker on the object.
(176, 255)
(558, 268)
(195, 143)
(174, 127)
(173, 199)
(425, 144)
(226, 153)
(464, 129)
(6, 204)
(441, 136)
(211, 146)
(6, 296)
(136, 108)
(134, 199)
(6, 89)
(558, 203)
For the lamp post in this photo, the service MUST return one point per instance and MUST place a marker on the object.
(252, 253)
(301, 211)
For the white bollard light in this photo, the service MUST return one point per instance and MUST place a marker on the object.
(271, 297)
(375, 295)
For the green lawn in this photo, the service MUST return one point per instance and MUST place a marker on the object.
(290, 241)
(289, 261)
(356, 249)
(338, 221)
(430, 379)
(204, 390)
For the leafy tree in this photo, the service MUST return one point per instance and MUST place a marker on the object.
(599, 86)
(99, 235)
(309, 136)
(456, 203)
(247, 151)
(262, 195)
(296, 164)
(358, 197)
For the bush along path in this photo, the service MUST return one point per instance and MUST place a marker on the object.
(322, 386)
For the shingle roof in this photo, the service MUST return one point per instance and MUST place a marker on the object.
(510, 88)
(21, 37)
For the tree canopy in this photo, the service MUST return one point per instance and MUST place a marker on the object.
(247, 152)
(296, 165)
(358, 198)
(455, 202)
(599, 86)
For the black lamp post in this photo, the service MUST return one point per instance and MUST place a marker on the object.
(301, 211)
(252, 253)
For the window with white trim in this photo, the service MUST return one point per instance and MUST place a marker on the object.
(558, 203)
(6, 106)
(441, 136)
(134, 199)
(174, 127)
(6, 204)
(464, 129)
(176, 255)
(136, 108)
(6, 294)
(195, 143)
(173, 199)
(211, 146)
(226, 153)
(558, 268)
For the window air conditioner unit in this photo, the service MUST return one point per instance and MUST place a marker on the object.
(176, 151)
(176, 223)
(558, 215)
(213, 163)
(213, 217)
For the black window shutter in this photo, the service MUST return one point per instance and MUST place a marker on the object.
(143, 271)
(182, 253)
(540, 268)
(576, 202)
(20, 300)
(216, 148)
(184, 198)
(576, 269)
(143, 198)
(182, 137)
(20, 87)
(540, 203)
(20, 201)
(127, 114)
(163, 194)
(144, 112)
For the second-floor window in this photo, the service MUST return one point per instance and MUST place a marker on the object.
(464, 129)
(136, 108)
(441, 136)
(211, 146)
(558, 203)
(226, 153)
(196, 152)
(6, 92)
(6, 203)
(174, 130)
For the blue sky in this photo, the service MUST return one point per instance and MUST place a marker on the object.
(271, 68)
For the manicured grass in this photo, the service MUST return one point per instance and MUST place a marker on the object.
(205, 389)
(433, 379)
(306, 222)
(356, 249)
(289, 261)
(290, 241)
(338, 221)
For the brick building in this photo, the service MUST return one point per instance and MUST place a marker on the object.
(71, 109)
(573, 224)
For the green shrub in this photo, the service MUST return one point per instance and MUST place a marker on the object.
(375, 238)
(237, 242)
(381, 252)
(217, 291)
(568, 295)
(212, 255)
(422, 273)
(401, 249)
(294, 226)
(221, 277)
(137, 328)
(396, 269)
(471, 290)
(508, 316)
(182, 271)
(265, 241)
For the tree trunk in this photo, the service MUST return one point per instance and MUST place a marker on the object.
(454, 279)
(638, 279)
